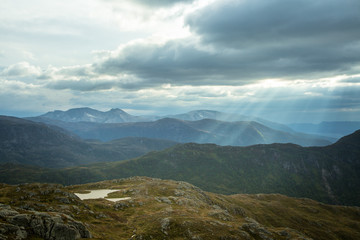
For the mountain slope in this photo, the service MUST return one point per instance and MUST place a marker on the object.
(162, 209)
(328, 174)
(119, 116)
(227, 117)
(202, 131)
(331, 129)
(30, 143)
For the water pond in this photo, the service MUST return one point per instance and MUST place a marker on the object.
(101, 193)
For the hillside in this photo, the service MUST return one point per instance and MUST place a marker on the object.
(30, 143)
(202, 131)
(331, 129)
(329, 174)
(197, 115)
(117, 115)
(161, 209)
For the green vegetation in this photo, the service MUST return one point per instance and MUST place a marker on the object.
(165, 209)
(328, 174)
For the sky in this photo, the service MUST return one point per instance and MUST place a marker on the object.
(284, 60)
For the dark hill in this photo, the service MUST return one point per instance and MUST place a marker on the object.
(329, 174)
(26, 142)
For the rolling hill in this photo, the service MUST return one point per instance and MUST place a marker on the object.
(26, 142)
(329, 174)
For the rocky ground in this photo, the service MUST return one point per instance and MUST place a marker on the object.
(163, 209)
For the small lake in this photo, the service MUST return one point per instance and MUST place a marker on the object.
(101, 193)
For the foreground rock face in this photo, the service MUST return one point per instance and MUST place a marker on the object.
(51, 226)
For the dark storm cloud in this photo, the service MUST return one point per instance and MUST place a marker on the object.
(93, 85)
(312, 35)
(251, 22)
(250, 40)
(173, 62)
(80, 85)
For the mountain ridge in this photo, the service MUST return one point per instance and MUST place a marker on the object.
(26, 142)
(328, 174)
(87, 114)
(201, 131)
(82, 114)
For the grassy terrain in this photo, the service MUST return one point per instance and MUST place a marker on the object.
(164, 209)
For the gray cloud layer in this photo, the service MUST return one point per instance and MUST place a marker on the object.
(306, 35)
(249, 40)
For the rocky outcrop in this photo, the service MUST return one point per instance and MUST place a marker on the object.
(20, 224)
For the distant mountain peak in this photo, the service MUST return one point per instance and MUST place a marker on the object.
(116, 109)
(86, 114)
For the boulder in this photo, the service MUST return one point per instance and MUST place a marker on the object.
(49, 226)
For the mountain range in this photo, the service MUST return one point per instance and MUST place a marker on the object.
(201, 131)
(117, 115)
(328, 174)
(114, 115)
(26, 142)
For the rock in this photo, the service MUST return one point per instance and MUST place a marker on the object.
(64, 200)
(12, 230)
(49, 226)
(62, 231)
(6, 212)
(179, 193)
(165, 223)
(20, 220)
(255, 229)
(163, 199)
(220, 214)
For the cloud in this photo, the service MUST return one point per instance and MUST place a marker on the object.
(308, 36)
(247, 23)
(21, 69)
(176, 62)
(158, 3)
(237, 42)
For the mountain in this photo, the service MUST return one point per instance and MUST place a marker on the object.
(331, 129)
(148, 208)
(119, 116)
(227, 117)
(115, 115)
(26, 142)
(202, 131)
(329, 174)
